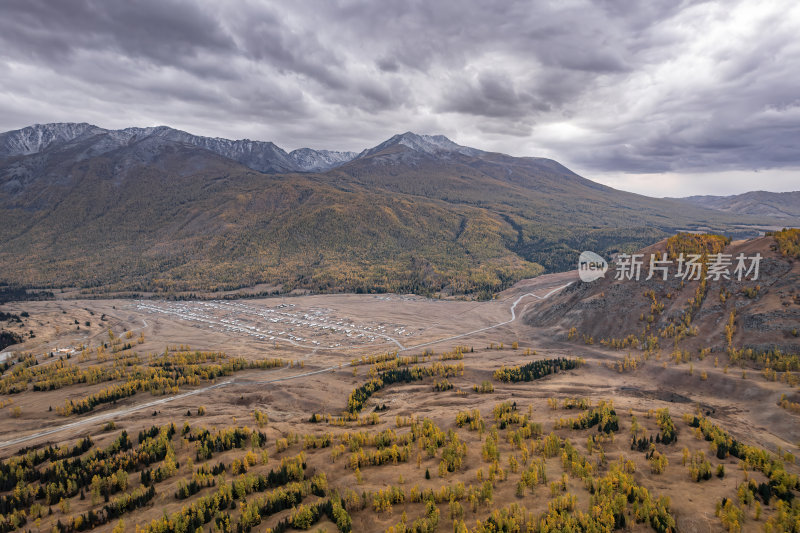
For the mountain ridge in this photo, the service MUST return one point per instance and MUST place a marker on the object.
(264, 156)
(156, 209)
(779, 205)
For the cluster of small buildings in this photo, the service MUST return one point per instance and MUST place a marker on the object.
(283, 322)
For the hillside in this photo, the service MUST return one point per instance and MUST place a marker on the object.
(779, 205)
(156, 209)
(675, 315)
(376, 413)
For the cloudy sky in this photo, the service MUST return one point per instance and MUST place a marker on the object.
(658, 97)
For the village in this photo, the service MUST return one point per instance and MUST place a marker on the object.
(299, 325)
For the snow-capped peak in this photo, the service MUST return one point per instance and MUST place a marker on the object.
(258, 155)
(428, 144)
(263, 156)
(38, 137)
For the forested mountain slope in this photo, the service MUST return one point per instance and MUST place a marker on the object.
(155, 209)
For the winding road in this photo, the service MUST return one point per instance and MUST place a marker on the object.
(244, 381)
(513, 310)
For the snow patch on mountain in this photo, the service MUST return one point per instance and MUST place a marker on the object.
(258, 155)
(40, 137)
(309, 160)
(427, 144)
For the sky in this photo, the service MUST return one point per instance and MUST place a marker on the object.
(660, 97)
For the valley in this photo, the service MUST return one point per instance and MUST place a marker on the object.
(399, 267)
(536, 409)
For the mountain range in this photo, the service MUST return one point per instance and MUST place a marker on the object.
(261, 156)
(159, 209)
(778, 205)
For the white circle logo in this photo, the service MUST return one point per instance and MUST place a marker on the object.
(591, 266)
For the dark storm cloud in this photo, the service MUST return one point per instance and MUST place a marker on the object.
(610, 85)
(491, 94)
(265, 37)
(737, 108)
(164, 32)
(387, 64)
